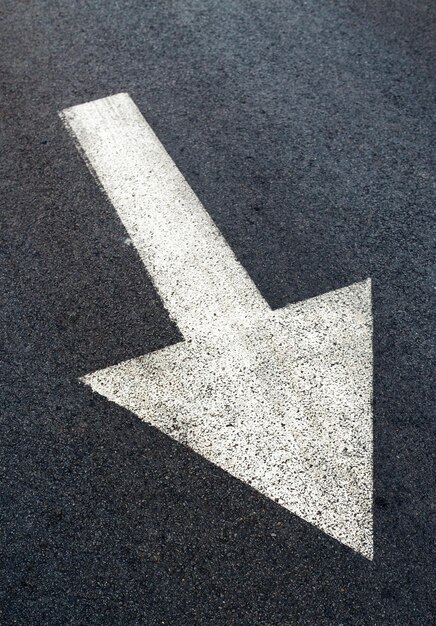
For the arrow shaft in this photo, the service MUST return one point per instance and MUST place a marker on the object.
(195, 272)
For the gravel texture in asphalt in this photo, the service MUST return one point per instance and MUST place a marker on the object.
(306, 130)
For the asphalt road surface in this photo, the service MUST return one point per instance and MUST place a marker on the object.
(306, 130)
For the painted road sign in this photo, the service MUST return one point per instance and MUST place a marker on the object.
(279, 399)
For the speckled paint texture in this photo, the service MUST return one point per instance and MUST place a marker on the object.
(279, 399)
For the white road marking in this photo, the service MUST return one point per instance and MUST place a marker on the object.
(279, 399)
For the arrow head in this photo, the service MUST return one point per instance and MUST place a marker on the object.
(282, 403)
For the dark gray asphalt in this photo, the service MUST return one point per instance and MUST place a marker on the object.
(305, 129)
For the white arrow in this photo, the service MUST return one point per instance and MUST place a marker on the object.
(279, 399)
